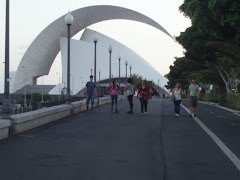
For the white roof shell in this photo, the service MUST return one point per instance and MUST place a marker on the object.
(82, 60)
(40, 55)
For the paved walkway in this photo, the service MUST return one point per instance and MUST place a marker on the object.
(100, 145)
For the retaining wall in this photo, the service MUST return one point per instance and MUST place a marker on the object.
(29, 120)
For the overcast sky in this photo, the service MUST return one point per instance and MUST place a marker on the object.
(29, 17)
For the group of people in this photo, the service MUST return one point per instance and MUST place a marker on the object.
(193, 96)
(143, 94)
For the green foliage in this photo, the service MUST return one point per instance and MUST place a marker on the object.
(137, 79)
(230, 101)
(213, 39)
(36, 97)
(21, 101)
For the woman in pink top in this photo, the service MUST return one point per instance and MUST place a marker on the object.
(114, 94)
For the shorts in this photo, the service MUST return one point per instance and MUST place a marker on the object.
(193, 101)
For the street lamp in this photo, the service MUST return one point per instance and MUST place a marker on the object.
(72, 84)
(130, 67)
(126, 63)
(6, 109)
(59, 86)
(25, 90)
(82, 84)
(68, 21)
(95, 57)
(91, 71)
(42, 90)
(119, 59)
(99, 86)
(110, 53)
(9, 79)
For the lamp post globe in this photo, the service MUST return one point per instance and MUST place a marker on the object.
(69, 18)
(110, 53)
(68, 21)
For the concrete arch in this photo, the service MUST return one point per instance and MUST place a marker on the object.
(40, 55)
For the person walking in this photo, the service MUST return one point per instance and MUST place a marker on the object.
(193, 96)
(144, 95)
(129, 87)
(90, 90)
(114, 94)
(177, 98)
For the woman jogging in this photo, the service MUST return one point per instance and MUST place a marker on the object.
(143, 94)
(177, 98)
(114, 94)
(130, 92)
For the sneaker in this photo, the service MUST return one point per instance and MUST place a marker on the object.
(141, 114)
(116, 111)
(194, 115)
(145, 113)
(177, 115)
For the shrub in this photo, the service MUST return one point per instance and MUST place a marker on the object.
(230, 101)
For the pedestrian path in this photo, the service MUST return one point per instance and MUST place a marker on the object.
(190, 152)
(100, 145)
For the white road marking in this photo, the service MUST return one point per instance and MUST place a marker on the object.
(220, 144)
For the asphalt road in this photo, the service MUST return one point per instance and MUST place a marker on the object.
(100, 145)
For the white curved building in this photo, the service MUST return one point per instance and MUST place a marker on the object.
(82, 60)
(40, 55)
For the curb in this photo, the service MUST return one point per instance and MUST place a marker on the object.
(217, 105)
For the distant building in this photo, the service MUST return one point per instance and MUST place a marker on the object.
(82, 61)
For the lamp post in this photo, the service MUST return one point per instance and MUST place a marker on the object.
(68, 21)
(119, 59)
(95, 57)
(42, 90)
(82, 84)
(126, 63)
(25, 90)
(99, 86)
(91, 71)
(130, 67)
(110, 53)
(9, 79)
(6, 109)
(72, 84)
(59, 86)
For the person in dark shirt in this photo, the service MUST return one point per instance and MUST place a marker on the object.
(143, 94)
(90, 90)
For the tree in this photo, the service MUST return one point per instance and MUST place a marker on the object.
(212, 42)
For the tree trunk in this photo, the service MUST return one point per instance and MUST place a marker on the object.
(227, 77)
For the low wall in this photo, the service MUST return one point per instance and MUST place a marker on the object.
(25, 121)
(29, 120)
(4, 128)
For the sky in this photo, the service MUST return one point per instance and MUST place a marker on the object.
(29, 17)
